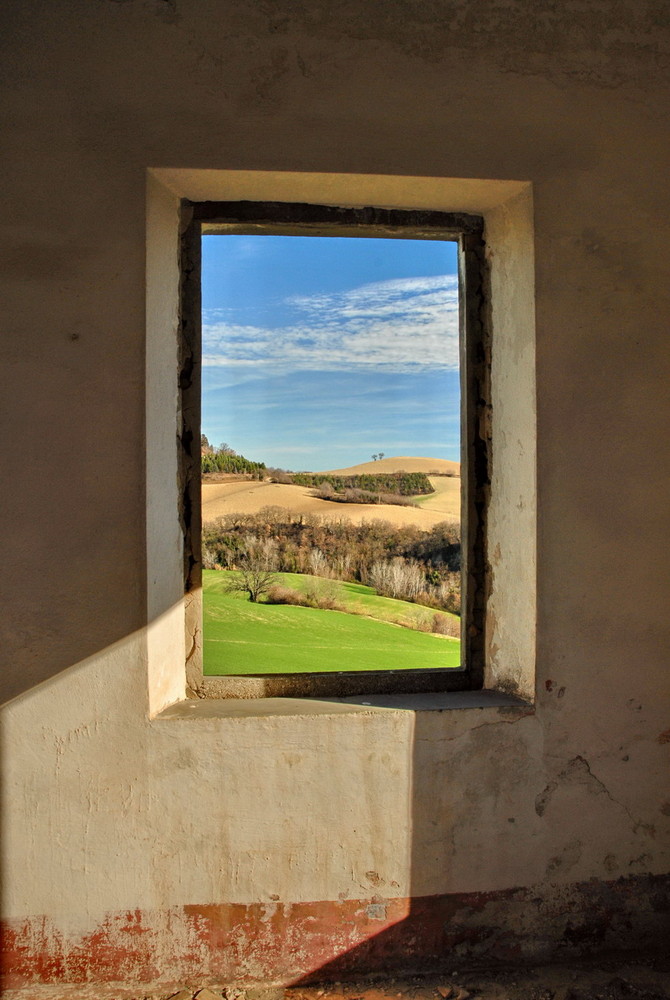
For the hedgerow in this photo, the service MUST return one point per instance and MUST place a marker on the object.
(405, 484)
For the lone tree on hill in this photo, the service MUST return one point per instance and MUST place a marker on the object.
(256, 567)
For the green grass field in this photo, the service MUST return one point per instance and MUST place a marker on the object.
(245, 638)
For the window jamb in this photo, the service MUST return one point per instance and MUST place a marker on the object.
(248, 217)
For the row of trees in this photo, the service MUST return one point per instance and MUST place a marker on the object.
(402, 562)
(225, 459)
(406, 484)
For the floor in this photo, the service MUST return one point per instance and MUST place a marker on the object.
(611, 980)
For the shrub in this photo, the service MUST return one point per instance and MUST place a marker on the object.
(278, 594)
(326, 490)
(323, 594)
(444, 625)
(279, 476)
(396, 499)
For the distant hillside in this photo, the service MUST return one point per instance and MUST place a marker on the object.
(430, 466)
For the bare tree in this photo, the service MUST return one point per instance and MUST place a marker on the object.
(343, 565)
(318, 563)
(399, 578)
(257, 567)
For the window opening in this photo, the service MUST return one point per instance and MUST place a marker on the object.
(337, 364)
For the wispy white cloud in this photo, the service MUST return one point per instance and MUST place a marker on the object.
(402, 325)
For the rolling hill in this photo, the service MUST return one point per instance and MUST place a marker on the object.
(410, 463)
(245, 638)
(247, 496)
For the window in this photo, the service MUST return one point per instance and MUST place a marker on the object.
(512, 578)
(285, 219)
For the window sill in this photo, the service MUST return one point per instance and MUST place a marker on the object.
(339, 685)
(444, 701)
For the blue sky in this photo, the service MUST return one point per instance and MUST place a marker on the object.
(319, 352)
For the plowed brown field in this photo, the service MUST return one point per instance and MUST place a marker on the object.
(249, 497)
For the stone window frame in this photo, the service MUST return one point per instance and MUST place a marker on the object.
(300, 219)
(172, 634)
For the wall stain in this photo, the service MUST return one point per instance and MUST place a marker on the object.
(332, 939)
(557, 42)
(567, 859)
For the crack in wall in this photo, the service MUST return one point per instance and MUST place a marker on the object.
(577, 769)
(472, 729)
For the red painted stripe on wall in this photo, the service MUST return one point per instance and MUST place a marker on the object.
(287, 943)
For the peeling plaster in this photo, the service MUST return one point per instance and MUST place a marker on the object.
(283, 943)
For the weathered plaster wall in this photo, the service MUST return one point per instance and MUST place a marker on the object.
(269, 846)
